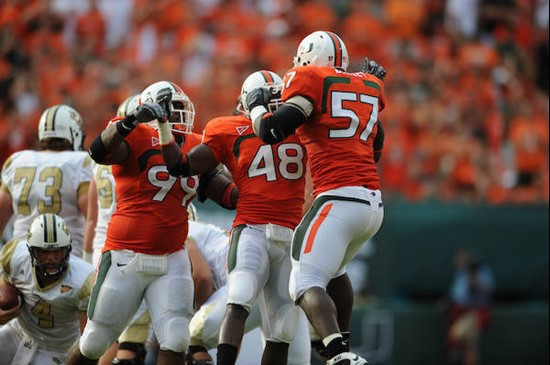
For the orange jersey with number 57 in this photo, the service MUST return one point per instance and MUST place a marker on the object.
(270, 178)
(339, 134)
(151, 209)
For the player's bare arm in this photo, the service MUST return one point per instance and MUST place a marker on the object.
(378, 143)
(218, 187)
(202, 276)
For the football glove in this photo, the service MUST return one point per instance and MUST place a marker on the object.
(150, 111)
(259, 96)
(164, 98)
(372, 67)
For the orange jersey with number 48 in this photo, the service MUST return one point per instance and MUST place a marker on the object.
(339, 134)
(151, 209)
(270, 178)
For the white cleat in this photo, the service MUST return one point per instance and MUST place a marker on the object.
(347, 358)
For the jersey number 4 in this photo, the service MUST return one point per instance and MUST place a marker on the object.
(290, 166)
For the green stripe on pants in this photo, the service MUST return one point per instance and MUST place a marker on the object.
(300, 232)
(232, 255)
(103, 269)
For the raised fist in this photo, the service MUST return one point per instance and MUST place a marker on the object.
(257, 97)
(372, 67)
(150, 111)
(164, 99)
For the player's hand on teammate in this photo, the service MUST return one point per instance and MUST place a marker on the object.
(9, 314)
(147, 112)
(164, 98)
(261, 96)
(372, 67)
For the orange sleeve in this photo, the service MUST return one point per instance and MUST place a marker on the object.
(299, 81)
(211, 138)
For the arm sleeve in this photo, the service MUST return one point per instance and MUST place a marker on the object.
(276, 127)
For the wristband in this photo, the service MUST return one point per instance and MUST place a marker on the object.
(126, 125)
(165, 134)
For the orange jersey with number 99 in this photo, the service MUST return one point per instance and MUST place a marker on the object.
(151, 209)
(339, 134)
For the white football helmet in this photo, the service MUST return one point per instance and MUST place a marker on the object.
(265, 79)
(192, 212)
(48, 232)
(128, 105)
(322, 48)
(182, 111)
(62, 121)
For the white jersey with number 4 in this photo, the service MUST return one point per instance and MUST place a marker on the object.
(50, 315)
(48, 182)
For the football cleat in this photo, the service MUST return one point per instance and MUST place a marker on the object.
(347, 358)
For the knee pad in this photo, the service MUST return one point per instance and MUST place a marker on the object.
(286, 323)
(175, 336)
(242, 289)
(93, 344)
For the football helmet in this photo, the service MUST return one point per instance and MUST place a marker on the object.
(128, 105)
(48, 232)
(192, 212)
(182, 111)
(62, 121)
(265, 79)
(322, 48)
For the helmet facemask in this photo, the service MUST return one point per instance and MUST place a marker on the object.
(44, 264)
(182, 114)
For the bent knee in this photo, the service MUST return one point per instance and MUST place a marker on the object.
(175, 336)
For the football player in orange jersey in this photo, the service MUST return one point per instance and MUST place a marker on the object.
(270, 180)
(334, 113)
(143, 255)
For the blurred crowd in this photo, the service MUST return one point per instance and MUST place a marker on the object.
(467, 85)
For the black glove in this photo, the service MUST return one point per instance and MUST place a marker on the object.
(257, 97)
(164, 98)
(150, 111)
(372, 67)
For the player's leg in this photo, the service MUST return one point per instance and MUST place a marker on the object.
(327, 238)
(169, 298)
(248, 267)
(279, 314)
(299, 351)
(205, 324)
(115, 298)
(132, 340)
(10, 339)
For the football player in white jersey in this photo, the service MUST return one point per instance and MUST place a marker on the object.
(53, 180)
(55, 287)
(213, 244)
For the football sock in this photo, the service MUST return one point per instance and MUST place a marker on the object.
(334, 344)
(227, 354)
